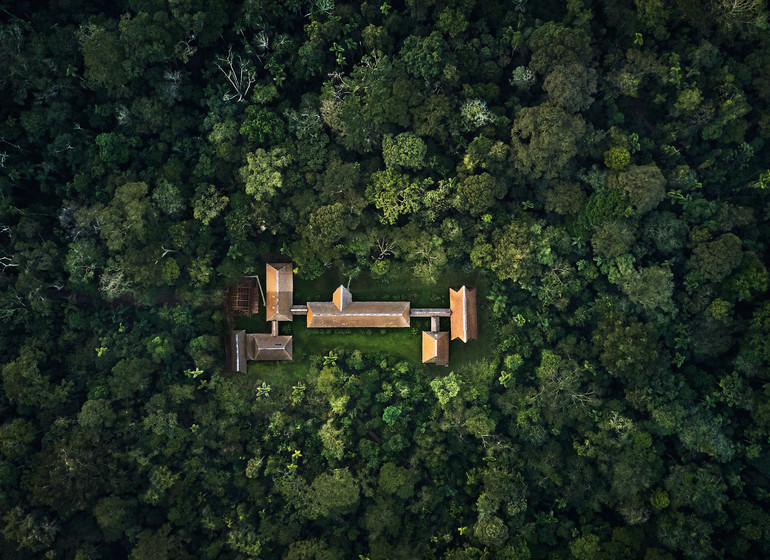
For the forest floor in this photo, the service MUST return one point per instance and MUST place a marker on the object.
(404, 343)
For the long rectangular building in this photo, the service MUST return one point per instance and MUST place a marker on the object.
(463, 322)
(238, 355)
(374, 314)
(343, 312)
(280, 292)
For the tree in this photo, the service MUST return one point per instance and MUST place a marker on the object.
(26, 385)
(333, 494)
(571, 87)
(714, 260)
(617, 158)
(404, 150)
(510, 254)
(96, 413)
(491, 531)
(613, 238)
(103, 57)
(554, 45)
(209, 204)
(481, 192)
(424, 56)
(564, 198)
(113, 148)
(124, 222)
(156, 545)
(395, 194)
(544, 139)
(111, 514)
(263, 172)
(262, 126)
(650, 287)
(645, 186)
(396, 480)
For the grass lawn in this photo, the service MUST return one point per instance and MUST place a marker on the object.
(404, 343)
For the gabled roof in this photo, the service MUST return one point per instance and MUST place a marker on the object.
(238, 351)
(342, 297)
(375, 314)
(280, 292)
(266, 347)
(435, 348)
(464, 323)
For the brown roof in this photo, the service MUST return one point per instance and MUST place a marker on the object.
(322, 314)
(238, 352)
(464, 323)
(342, 297)
(280, 291)
(266, 347)
(435, 348)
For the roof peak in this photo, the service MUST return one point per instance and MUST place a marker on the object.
(342, 297)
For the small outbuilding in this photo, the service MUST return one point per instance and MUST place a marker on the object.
(435, 348)
(267, 348)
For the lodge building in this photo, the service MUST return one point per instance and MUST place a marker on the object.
(341, 312)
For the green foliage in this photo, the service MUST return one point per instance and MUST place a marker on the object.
(510, 254)
(404, 150)
(475, 114)
(262, 126)
(615, 402)
(396, 480)
(390, 415)
(601, 207)
(645, 186)
(333, 493)
(571, 87)
(481, 192)
(423, 56)
(113, 148)
(490, 532)
(394, 194)
(714, 260)
(209, 204)
(446, 388)
(262, 173)
(523, 78)
(617, 158)
(544, 139)
(651, 287)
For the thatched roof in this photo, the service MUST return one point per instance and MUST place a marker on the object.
(464, 323)
(266, 347)
(435, 348)
(280, 291)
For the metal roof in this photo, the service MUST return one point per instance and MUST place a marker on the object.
(280, 291)
(375, 314)
(435, 348)
(238, 352)
(464, 322)
(266, 347)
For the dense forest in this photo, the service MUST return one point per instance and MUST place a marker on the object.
(600, 163)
